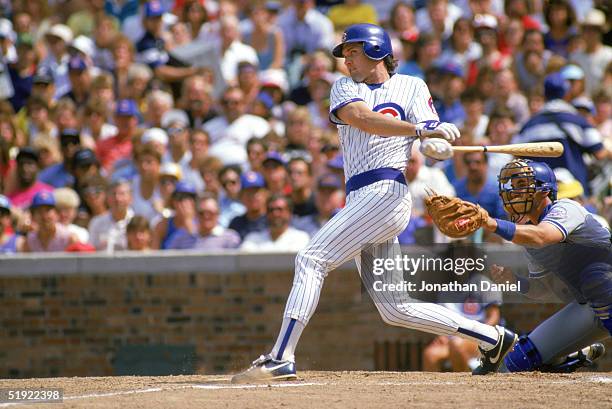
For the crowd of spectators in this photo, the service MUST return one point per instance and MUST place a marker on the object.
(203, 124)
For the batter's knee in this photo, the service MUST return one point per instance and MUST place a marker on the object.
(311, 261)
(524, 357)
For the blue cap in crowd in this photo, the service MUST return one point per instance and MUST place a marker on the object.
(451, 69)
(27, 152)
(5, 203)
(274, 157)
(555, 86)
(76, 63)
(252, 179)
(336, 163)
(266, 100)
(43, 199)
(329, 180)
(84, 157)
(184, 188)
(153, 9)
(127, 107)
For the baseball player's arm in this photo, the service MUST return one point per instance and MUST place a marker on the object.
(359, 115)
(543, 234)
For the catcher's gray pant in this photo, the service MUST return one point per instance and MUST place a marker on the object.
(570, 329)
(376, 213)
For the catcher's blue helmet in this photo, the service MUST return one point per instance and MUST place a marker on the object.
(376, 41)
(518, 181)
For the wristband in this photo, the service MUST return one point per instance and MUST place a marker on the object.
(505, 229)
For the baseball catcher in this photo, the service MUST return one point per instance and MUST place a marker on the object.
(560, 238)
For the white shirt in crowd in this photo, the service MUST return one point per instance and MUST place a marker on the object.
(142, 206)
(109, 235)
(292, 240)
(228, 141)
(236, 53)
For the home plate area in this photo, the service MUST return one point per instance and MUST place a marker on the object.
(332, 390)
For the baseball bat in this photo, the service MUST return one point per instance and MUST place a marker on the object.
(536, 150)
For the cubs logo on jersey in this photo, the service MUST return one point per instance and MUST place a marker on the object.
(391, 109)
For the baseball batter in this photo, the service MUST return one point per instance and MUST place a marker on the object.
(562, 238)
(379, 115)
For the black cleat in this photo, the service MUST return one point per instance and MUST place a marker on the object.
(491, 360)
(579, 359)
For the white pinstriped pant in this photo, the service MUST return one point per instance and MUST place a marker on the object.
(376, 213)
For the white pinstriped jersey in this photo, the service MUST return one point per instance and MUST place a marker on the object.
(401, 96)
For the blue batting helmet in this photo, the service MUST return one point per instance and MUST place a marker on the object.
(376, 41)
(519, 180)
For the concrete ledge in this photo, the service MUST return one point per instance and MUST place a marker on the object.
(168, 261)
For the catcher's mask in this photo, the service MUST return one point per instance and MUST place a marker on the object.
(519, 180)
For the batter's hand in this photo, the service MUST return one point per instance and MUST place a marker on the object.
(437, 129)
(501, 274)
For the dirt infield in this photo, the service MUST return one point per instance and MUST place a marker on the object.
(332, 390)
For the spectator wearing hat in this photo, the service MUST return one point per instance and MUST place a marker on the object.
(575, 76)
(561, 19)
(85, 165)
(596, 55)
(253, 196)
(107, 231)
(183, 221)
(169, 175)
(248, 82)
(22, 71)
(28, 184)
(178, 150)
(230, 131)
(49, 234)
(57, 39)
(9, 241)
(119, 146)
(146, 197)
(151, 49)
(139, 234)
(486, 34)
(559, 121)
(210, 234)
(329, 198)
(67, 203)
(197, 101)
(449, 104)
(62, 174)
(229, 201)
(302, 195)
(278, 235)
(461, 48)
(275, 174)
(264, 35)
(80, 81)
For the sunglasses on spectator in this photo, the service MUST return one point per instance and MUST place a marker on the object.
(67, 142)
(207, 213)
(168, 181)
(277, 209)
(232, 101)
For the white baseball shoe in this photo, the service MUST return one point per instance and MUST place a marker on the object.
(266, 368)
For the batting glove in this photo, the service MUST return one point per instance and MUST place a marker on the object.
(437, 129)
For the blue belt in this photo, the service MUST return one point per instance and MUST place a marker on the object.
(367, 178)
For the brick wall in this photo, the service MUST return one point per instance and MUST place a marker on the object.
(73, 324)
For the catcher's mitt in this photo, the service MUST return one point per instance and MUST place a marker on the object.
(454, 217)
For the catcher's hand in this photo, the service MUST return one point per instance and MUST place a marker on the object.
(454, 217)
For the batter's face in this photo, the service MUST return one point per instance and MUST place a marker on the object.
(360, 67)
